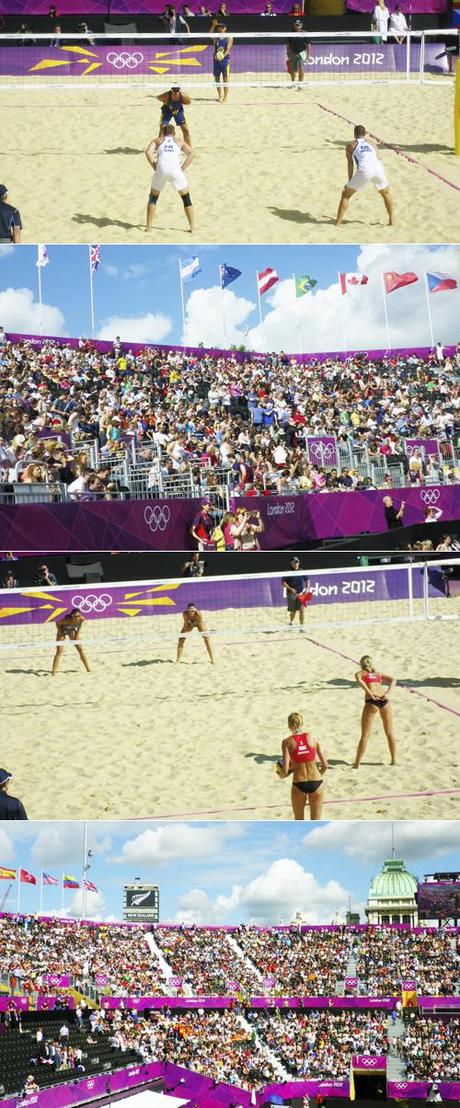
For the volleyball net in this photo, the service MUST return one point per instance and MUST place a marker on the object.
(265, 59)
(239, 608)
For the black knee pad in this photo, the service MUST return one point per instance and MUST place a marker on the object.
(153, 198)
(186, 200)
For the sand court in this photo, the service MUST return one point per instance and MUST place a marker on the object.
(143, 736)
(269, 164)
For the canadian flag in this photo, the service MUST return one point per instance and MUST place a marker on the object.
(266, 279)
(350, 280)
(27, 877)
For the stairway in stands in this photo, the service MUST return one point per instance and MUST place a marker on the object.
(396, 1070)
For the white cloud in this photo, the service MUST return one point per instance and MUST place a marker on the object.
(143, 328)
(276, 894)
(204, 320)
(58, 844)
(6, 847)
(319, 321)
(20, 312)
(94, 904)
(177, 842)
(371, 841)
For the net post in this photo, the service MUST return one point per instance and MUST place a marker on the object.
(426, 614)
(422, 59)
(410, 589)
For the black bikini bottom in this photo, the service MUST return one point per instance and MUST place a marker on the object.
(380, 703)
(307, 786)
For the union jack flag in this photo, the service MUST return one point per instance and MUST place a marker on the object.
(88, 885)
(94, 257)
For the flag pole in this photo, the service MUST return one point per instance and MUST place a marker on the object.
(91, 292)
(62, 893)
(182, 298)
(428, 308)
(85, 857)
(261, 322)
(222, 294)
(39, 267)
(19, 888)
(387, 328)
(299, 327)
(40, 903)
(342, 316)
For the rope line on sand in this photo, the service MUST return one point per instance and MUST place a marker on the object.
(346, 800)
(395, 149)
(408, 688)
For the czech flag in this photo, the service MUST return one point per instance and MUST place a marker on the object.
(27, 877)
(70, 882)
(48, 879)
(440, 282)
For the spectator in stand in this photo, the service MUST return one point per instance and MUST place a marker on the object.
(10, 581)
(43, 577)
(394, 518)
(398, 26)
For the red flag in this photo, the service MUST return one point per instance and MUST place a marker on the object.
(350, 280)
(266, 279)
(395, 281)
(27, 877)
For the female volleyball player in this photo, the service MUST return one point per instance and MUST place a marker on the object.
(377, 688)
(192, 618)
(69, 628)
(302, 756)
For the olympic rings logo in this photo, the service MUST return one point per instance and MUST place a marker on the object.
(92, 603)
(430, 496)
(90, 1084)
(320, 451)
(369, 1062)
(401, 1085)
(157, 518)
(125, 60)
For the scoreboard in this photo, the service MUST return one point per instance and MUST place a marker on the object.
(439, 898)
(141, 903)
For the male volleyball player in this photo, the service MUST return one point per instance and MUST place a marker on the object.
(364, 168)
(172, 111)
(69, 628)
(193, 618)
(221, 61)
(164, 155)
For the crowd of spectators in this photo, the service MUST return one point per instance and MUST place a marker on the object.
(247, 961)
(208, 421)
(429, 1048)
(320, 1044)
(31, 948)
(283, 959)
(385, 957)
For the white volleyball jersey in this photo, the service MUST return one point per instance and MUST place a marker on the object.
(168, 156)
(366, 158)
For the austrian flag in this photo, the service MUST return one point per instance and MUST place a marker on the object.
(351, 280)
(266, 279)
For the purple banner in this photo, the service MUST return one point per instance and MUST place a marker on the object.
(140, 1003)
(41, 61)
(14, 1003)
(49, 1003)
(59, 980)
(197, 353)
(165, 599)
(351, 982)
(322, 450)
(428, 448)
(165, 525)
(369, 1062)
(431, 1002)
(418, 1090)
(101, 979)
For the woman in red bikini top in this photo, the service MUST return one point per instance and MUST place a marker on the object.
(377, 690)
(301, 756)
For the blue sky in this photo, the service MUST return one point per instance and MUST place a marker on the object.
(136, 290)
(220, 872)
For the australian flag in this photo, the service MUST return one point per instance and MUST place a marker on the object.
(228, 274)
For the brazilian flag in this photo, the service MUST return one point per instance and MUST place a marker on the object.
(304, 284)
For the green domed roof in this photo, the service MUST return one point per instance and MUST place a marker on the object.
(393, 881)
